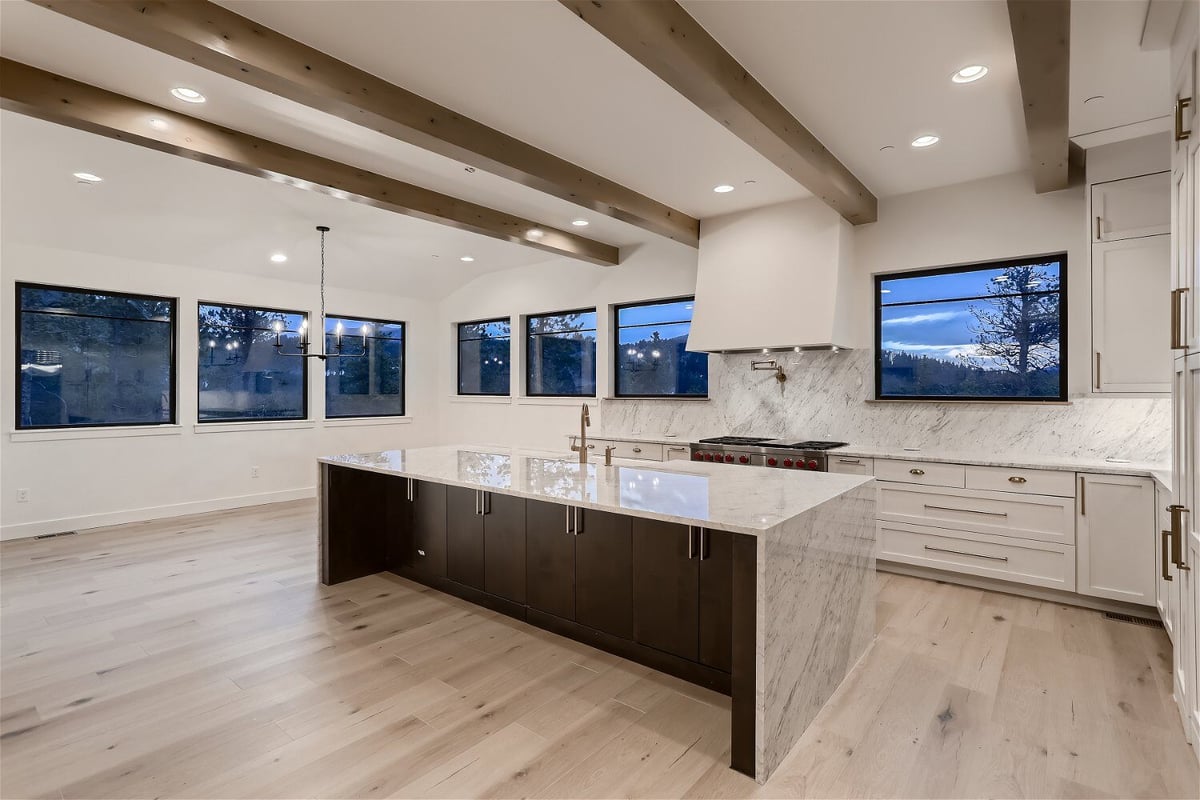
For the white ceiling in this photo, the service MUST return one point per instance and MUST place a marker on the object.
(161, 208)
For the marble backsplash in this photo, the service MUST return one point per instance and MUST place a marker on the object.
(825, 397)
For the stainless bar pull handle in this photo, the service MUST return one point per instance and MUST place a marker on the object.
(1082, 497)
(1166, 558)
(915, 471)
(676, 449)
(568, 510)
(477, 502)
(967, 510)
(691, 542)
(578, 521)
(1099, 234)
(1178, 316)
(1097, 370)
(849, 461)
(1018, 479)
(1180, 105)
(964, 553)
(1177, 534)
(703, 543)
(485, 503)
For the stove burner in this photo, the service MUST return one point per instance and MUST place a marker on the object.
(736, 440)
(814, 445)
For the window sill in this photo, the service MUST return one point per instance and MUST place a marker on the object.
(114, 432)
(1027, 403)
(263, 425)
(363, 422)
(555, 401)
(661, 397)
(480, 398)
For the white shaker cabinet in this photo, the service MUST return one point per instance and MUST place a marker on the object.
(1131, 207)
(1131, 329)
(1115, 538)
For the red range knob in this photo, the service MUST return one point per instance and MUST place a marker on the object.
(799, 463)
(698, 456)
(787, 462)
(812, 465)
(772, 461)
(729, 459)
(708, 457)
(744, 459)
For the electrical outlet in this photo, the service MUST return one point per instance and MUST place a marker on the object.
(22, 495)
(254, 472)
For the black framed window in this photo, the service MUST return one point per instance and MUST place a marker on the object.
(988, 331)
(241, 375)
(484, 352)
(560, 354)
(650, 347)
(371, 385)
(87, 358)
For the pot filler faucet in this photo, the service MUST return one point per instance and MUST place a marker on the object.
(585, 419)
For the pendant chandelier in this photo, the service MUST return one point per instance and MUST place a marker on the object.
(305, 337)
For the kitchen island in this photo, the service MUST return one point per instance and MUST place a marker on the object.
(756, 583)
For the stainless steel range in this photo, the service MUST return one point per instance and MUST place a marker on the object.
(755, 451)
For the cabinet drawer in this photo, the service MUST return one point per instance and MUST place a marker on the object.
(852, 465)
(1048, 519)
(927, 473)
(677, 452)
(1027, 481)
(651, 452)
(1034, 563)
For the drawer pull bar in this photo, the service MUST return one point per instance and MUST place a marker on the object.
(915, 471)
(967, 510)
(849, 461)
(1017, 479)
(1166, 557)
(962, 553)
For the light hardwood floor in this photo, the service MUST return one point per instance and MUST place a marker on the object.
(200, 657)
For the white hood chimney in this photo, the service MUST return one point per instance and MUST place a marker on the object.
(774, 278)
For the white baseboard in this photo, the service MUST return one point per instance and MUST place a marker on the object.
(27, 530)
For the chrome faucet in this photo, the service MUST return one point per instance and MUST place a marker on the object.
(585, 419)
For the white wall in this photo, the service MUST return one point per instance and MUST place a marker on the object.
(84, 479)
(659, 270)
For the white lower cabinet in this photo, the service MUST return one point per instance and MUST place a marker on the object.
(1116, 537)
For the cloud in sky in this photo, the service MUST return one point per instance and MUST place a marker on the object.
(933, 316)
(942, 351)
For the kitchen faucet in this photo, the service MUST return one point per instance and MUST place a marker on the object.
(585, 419)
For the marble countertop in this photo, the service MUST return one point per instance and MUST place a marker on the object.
(748, 501)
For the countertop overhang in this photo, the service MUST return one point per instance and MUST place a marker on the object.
(749, 501)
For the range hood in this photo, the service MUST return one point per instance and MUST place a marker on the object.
(776, 278)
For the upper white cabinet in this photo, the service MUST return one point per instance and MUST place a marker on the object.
(1116, 538)
(1132, 207)
(1131, 327)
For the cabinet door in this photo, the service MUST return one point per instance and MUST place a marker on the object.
(675, 452)
(604, 572)
(464, 537)
(361, 516)
(1131, 323)
(1164, 570)
(1187, 666)
(504, 546)
(428, 526)
(716, 599)
(1131, 207)
(550, 558)
(666, 576)
(1183, 253)
(1116, 538)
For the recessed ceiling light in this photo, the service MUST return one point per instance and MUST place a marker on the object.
(187, 94)
(969, 74)
(927, 140)
(723, 188)
(87, 177)
(467, 258)
(278, 258)
(158, 124)
(536, 233)
(580, 223)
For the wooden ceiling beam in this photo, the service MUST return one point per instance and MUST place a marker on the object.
(37, 93)
(1041, 32)
(669, 42)
(220, 40)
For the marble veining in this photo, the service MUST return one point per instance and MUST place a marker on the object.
(825, 398)
(816, 615)
(715, 496)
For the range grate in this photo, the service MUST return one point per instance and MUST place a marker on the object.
(1144, 621)
(56, 535)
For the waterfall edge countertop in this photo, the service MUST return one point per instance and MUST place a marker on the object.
(749, 501)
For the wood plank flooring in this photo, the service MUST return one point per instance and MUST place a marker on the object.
(199, 657)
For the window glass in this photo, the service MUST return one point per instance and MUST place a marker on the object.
(483, 357)
(651, 352)
(985, 331)
(561, 354)
(242, 376)
(368, 380)
(91, 358)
